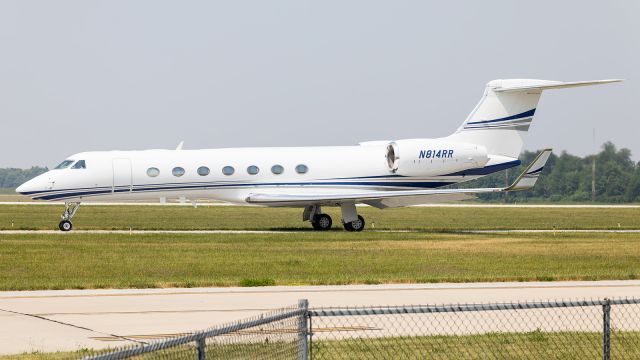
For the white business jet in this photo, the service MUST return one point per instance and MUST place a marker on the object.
(383, 174)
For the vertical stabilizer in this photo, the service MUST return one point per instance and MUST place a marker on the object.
(501, 119)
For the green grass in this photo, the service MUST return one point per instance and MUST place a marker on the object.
(64, 261)
(530, 345)
(232, 217)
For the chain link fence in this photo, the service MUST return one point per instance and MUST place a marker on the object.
(592, 329)
(281, 334)
(588, 329)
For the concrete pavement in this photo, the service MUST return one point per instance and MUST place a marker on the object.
(70, 319)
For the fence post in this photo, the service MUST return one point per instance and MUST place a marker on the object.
(310, 336)
(606, 330)
(302, 330)
(201, 345)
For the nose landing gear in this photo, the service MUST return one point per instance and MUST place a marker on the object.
(70, 209)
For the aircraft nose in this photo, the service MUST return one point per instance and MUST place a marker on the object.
(27, 187)
(37, 184)
(23, 188)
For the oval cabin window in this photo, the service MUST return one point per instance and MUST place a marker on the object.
(153, 172)
(177, 171)
(253, 170)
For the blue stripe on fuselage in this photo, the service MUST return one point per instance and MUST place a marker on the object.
(70, 193)
(487, 169)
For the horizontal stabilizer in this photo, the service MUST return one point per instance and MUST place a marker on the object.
(546, 85)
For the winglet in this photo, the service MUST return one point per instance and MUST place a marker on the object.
(528, 178)
(179, 147)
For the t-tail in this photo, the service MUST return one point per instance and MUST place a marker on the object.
(501, 119)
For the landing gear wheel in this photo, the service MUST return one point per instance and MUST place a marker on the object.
(65, 225)
(321, 222)
(356, 225)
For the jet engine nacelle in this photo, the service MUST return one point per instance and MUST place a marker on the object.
(429, 157)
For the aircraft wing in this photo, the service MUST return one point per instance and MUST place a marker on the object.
(397, 198)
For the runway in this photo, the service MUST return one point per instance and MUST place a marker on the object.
(70, 319)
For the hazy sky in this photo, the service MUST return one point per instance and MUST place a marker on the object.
(103, 75)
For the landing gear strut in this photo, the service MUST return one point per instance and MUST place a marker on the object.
(70, 209)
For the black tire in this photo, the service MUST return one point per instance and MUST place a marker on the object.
(357, 225)
(322, 222)
(65, 225)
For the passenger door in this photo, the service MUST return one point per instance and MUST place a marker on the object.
(122, 175)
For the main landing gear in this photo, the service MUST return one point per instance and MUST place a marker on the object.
(70, 209)
(355, 225)
(319, 221)
(322, 222)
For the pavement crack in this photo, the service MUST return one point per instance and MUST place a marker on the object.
(72, 325)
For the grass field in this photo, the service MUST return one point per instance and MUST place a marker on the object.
(40, 261)
(529, 345)
(254, 218)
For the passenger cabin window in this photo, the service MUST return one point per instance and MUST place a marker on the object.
(79, 165)
(228, 170)
(153, 172)
(253, 170)
(277, 169)
(177, 171)
(65, 164)
(302, 169)
(203, 171)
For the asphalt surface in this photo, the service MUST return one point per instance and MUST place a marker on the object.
(66, 320)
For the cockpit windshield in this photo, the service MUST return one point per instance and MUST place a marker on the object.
(79, 165)
(65, 164)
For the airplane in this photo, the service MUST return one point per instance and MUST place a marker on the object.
(382, 174)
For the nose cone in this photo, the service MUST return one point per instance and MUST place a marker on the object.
(35, 185)
(27, 188)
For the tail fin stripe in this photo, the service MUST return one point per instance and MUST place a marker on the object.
(519, 122)
(528, 113)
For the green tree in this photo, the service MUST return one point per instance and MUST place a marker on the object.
(12, 178)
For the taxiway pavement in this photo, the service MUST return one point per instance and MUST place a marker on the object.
(65, 320)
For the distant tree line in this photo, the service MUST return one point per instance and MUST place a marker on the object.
(12, 178)
(565, 178)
